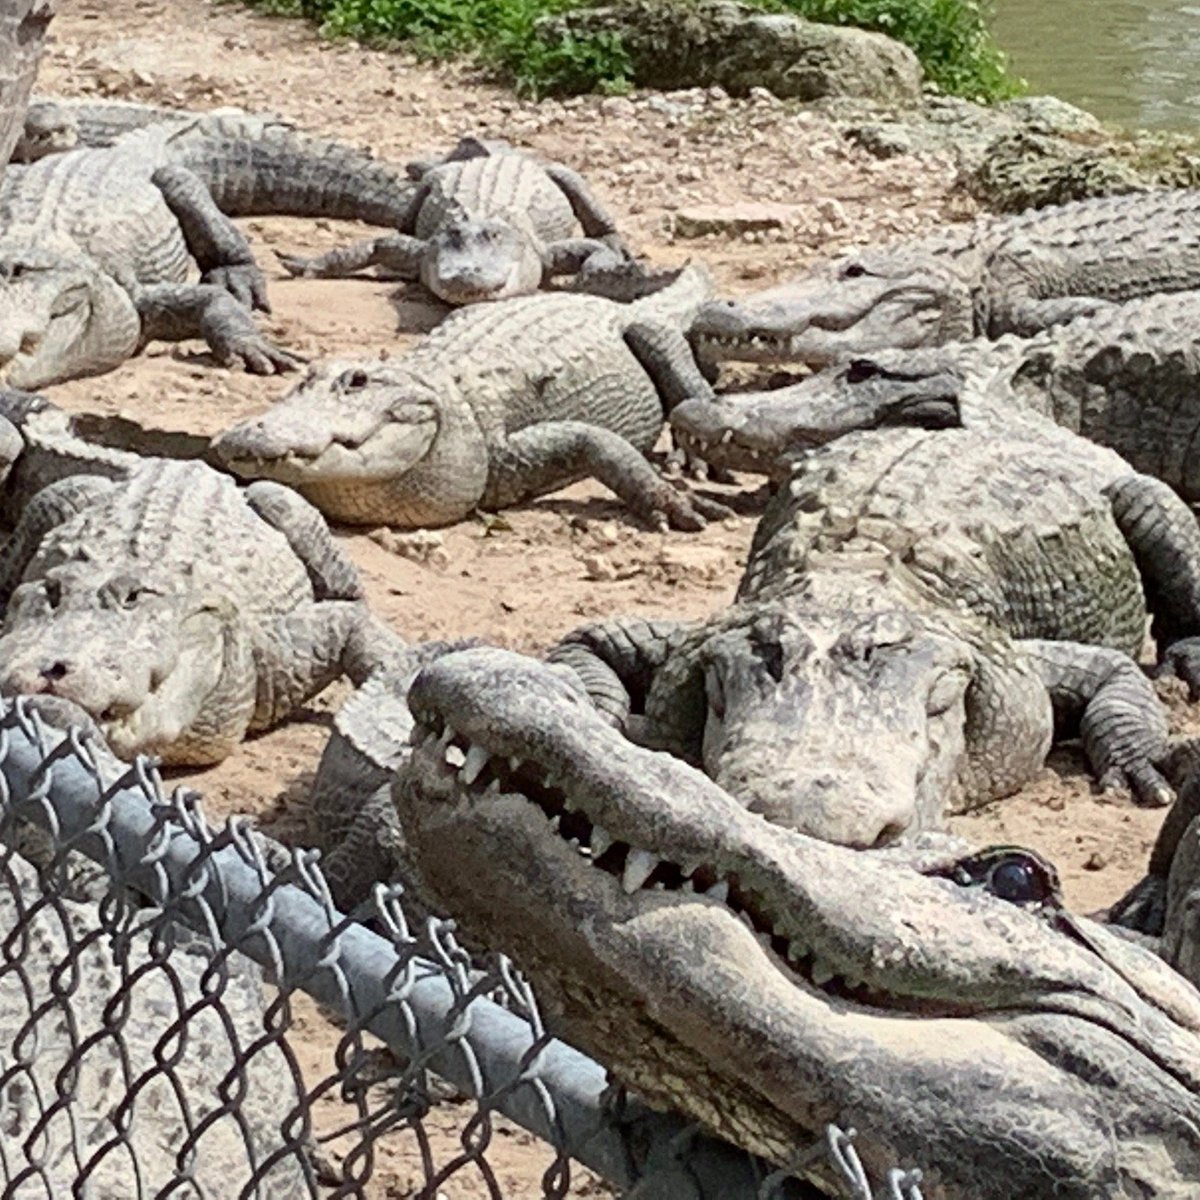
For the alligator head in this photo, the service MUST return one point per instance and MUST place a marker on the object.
(161, 670)
(757, 431)
(50, 128)
(61, 316)
(767, 983)
(855, 305)
(471, 259)
(366, 442)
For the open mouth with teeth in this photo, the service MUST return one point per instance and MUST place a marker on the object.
(767, 982)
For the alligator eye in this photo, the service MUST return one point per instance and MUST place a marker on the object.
(53, 593)
(862, 369)
(355, 381)
(853, 270)
(1018, 876)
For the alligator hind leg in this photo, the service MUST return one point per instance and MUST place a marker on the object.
(54, 505)
(592, 216)
(1165, 540)
(553, 454)
(398, 253)
(1104, 695)
(223, 254)
(333, 575)
(1180, 944)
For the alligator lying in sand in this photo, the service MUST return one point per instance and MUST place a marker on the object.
(920, 612)
(487, 222)
(97, 242)
(502, 402)
(1127, 377)
(998, 275)
(178, 611)
(767, 983)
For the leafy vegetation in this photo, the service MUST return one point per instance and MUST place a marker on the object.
(950, 37)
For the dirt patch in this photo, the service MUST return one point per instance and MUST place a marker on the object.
(549, 565)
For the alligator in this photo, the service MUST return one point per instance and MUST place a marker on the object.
(1126, 377)
(766, 983)
(97, 242)
(22, 38)
(502, 402)
(1018, 274)
(90, 1033)
(487, 222)
(921, 612)
(177, 610)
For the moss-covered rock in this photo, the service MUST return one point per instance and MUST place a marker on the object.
(723, 43)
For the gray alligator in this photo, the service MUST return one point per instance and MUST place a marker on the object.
(767, 983)
(998, 275)
(22, 37)
(176, 610)
(920, 613)
(133, 1140)
(98, 242)
(500, 403)
(1126, 377)
(486, 222)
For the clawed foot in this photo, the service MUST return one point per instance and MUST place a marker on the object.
(677, 508)
(1144, 781)
(244, 282)
(256, 355)
(299, 267)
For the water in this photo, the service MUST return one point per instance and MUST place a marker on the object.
(1134, 62)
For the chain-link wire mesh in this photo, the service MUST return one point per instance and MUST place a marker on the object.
(158, 1035)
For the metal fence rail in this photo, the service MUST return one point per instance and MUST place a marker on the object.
(142, 1053)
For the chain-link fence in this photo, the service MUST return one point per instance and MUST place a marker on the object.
(159, 1036)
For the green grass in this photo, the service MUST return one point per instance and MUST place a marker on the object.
(950, 37)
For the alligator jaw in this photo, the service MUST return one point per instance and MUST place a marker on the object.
(995, 1012)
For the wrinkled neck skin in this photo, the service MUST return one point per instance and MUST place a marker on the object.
(1013, 1051)
(856, 305)
(367, 442)
(60, 316)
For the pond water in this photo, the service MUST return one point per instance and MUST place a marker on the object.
(1135, 62)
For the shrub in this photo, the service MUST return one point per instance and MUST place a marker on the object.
(950, 37)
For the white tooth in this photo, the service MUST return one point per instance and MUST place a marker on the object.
(639, 866)
(689, 886)
(689, 867)
(727, 437)
(493, 788)
(554, 822)
(514, 763)
(821, 973)
(473, 765)
(601, 840)
(719, 891)
(454, 756)
(445, 738)
(744, 917)
(796, 950)
(764, 940)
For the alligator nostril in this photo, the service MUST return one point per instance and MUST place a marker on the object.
(53, 671)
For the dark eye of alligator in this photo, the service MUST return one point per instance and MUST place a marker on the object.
(355, 380)
(853, 271)
(53, 593)
(862, 369)
(1016, 875)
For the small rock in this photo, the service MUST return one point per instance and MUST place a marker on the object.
(425, 546)
(617, 106)
(1095, 862)
(737, 219)
(598, 568)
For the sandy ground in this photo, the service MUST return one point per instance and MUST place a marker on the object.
(576, 555)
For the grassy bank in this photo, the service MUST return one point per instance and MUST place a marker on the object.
(950, 37)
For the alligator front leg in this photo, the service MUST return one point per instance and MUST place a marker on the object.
(593, 218)
(554, 454)
(222, 253)
(1029, 317)
(53, 505)
(580, 256)
(616, 661)
(174, 312)
(333, 575)
(300, 654)
(1165, 540)
(1105, 696)
(399, 254)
